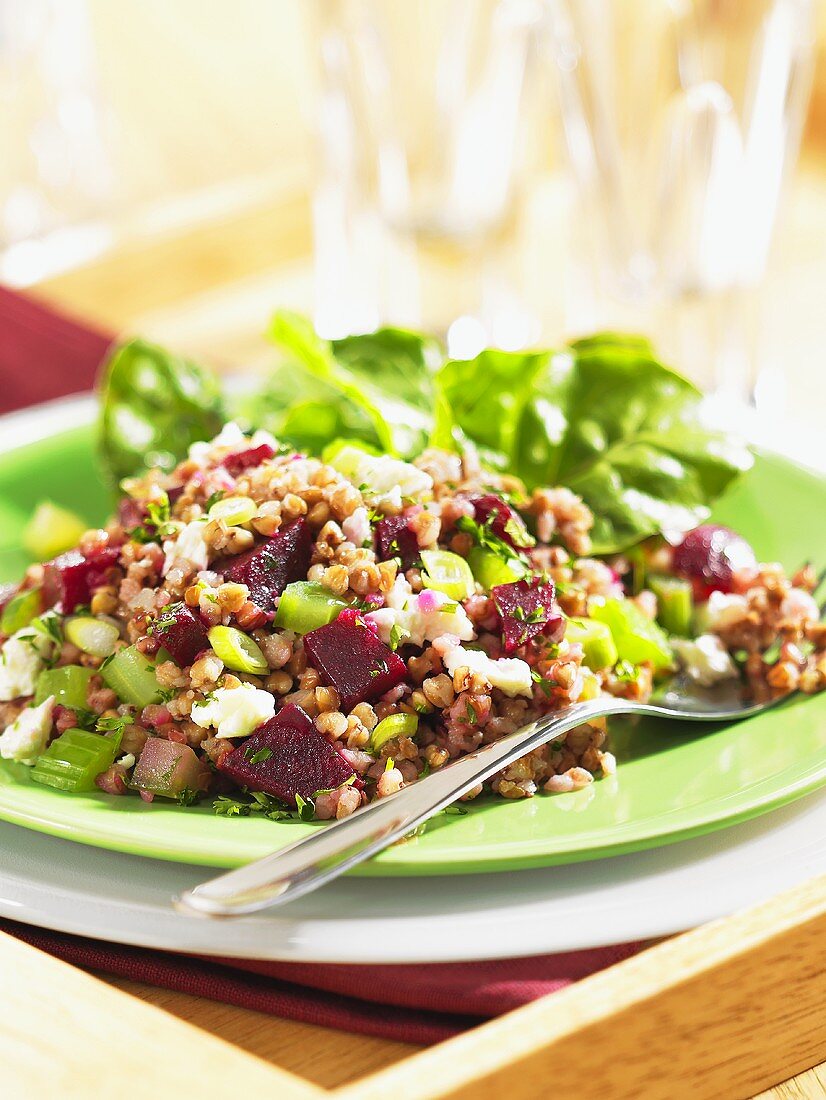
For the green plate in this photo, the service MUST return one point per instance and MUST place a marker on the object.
(673, 781)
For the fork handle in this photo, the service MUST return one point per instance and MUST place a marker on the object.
(336, 848)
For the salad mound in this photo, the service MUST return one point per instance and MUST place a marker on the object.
(286, 635)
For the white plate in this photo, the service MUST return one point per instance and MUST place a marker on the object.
(108, 896)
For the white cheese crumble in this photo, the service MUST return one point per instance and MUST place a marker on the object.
(25, 739)
(511, 675)
(22, 660)
(357, 527)
(800, 606)
(229, 436)
(705, 659)
(235, 712)
(128, 760)
(386, 480)
(188, 550)
(418, 618)
(723, 610)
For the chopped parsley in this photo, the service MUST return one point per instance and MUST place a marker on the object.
(259, 756)
(398, 635)
(216, 496)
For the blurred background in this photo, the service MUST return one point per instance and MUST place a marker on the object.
(497, 171)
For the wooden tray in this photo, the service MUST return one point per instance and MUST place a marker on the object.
(723, 1011)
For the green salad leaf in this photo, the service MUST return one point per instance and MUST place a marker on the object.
(603, 417)
(153, 405)
(385, 374)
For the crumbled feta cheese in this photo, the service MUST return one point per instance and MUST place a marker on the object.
(262, 438)
(386, 479)
(428, 616)
(705, 659)
(128, 760)
(189, 549)
(511, 675)
(800, 606)
(235, 712)
(229, 436)
(357, 527)
(723, 610)
(25, 739)
(21, 662)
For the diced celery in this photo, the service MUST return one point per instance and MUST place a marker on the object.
(234, 511)
(305, 605)
(95, 636)
(394, 725)
(447, 572)
(637, 638)
(20, 610)
(51, 530)
(598, 646)
(131, 676)
(69, 685)
(73, 760)
(490, 569)
(675, 603)
(237, 650)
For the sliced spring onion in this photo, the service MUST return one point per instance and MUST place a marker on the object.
(131, 676)
(20, 610)
(305, 605)
(675, 603)
(237, 650)
(69, 685)
(490, 569)
(637, 638)
(394, 725)
(73, 760)
(51, 530)
(598, 646)
(95, 636)
(234, 511)
(447, 572)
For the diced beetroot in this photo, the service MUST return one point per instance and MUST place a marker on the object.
(243, 460)
(131, 513)
(352, 659)
(395, 538)
(173, 492)
(267, 569)
(528, 608)
(506, 521)
(167, 768)
(69, 579)
(710, 555)
(181, 633)
(285, 757)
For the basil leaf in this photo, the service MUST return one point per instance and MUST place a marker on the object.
(153, 405)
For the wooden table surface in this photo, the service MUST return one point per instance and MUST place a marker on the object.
(200, 286)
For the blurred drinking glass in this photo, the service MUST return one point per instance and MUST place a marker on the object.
(55, 176)
(420, 165)
(682, 119)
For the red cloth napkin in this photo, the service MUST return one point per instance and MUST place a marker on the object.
(44, 355)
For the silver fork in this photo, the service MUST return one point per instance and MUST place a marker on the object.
(336, 848)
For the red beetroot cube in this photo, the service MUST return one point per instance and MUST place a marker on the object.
(710, 555)
(285, 757)
(528, 608)
(69, 579)
(267, 569)
(181, 633)
(352, 659)
(395, 538)
(239, 461)
(503, 520)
